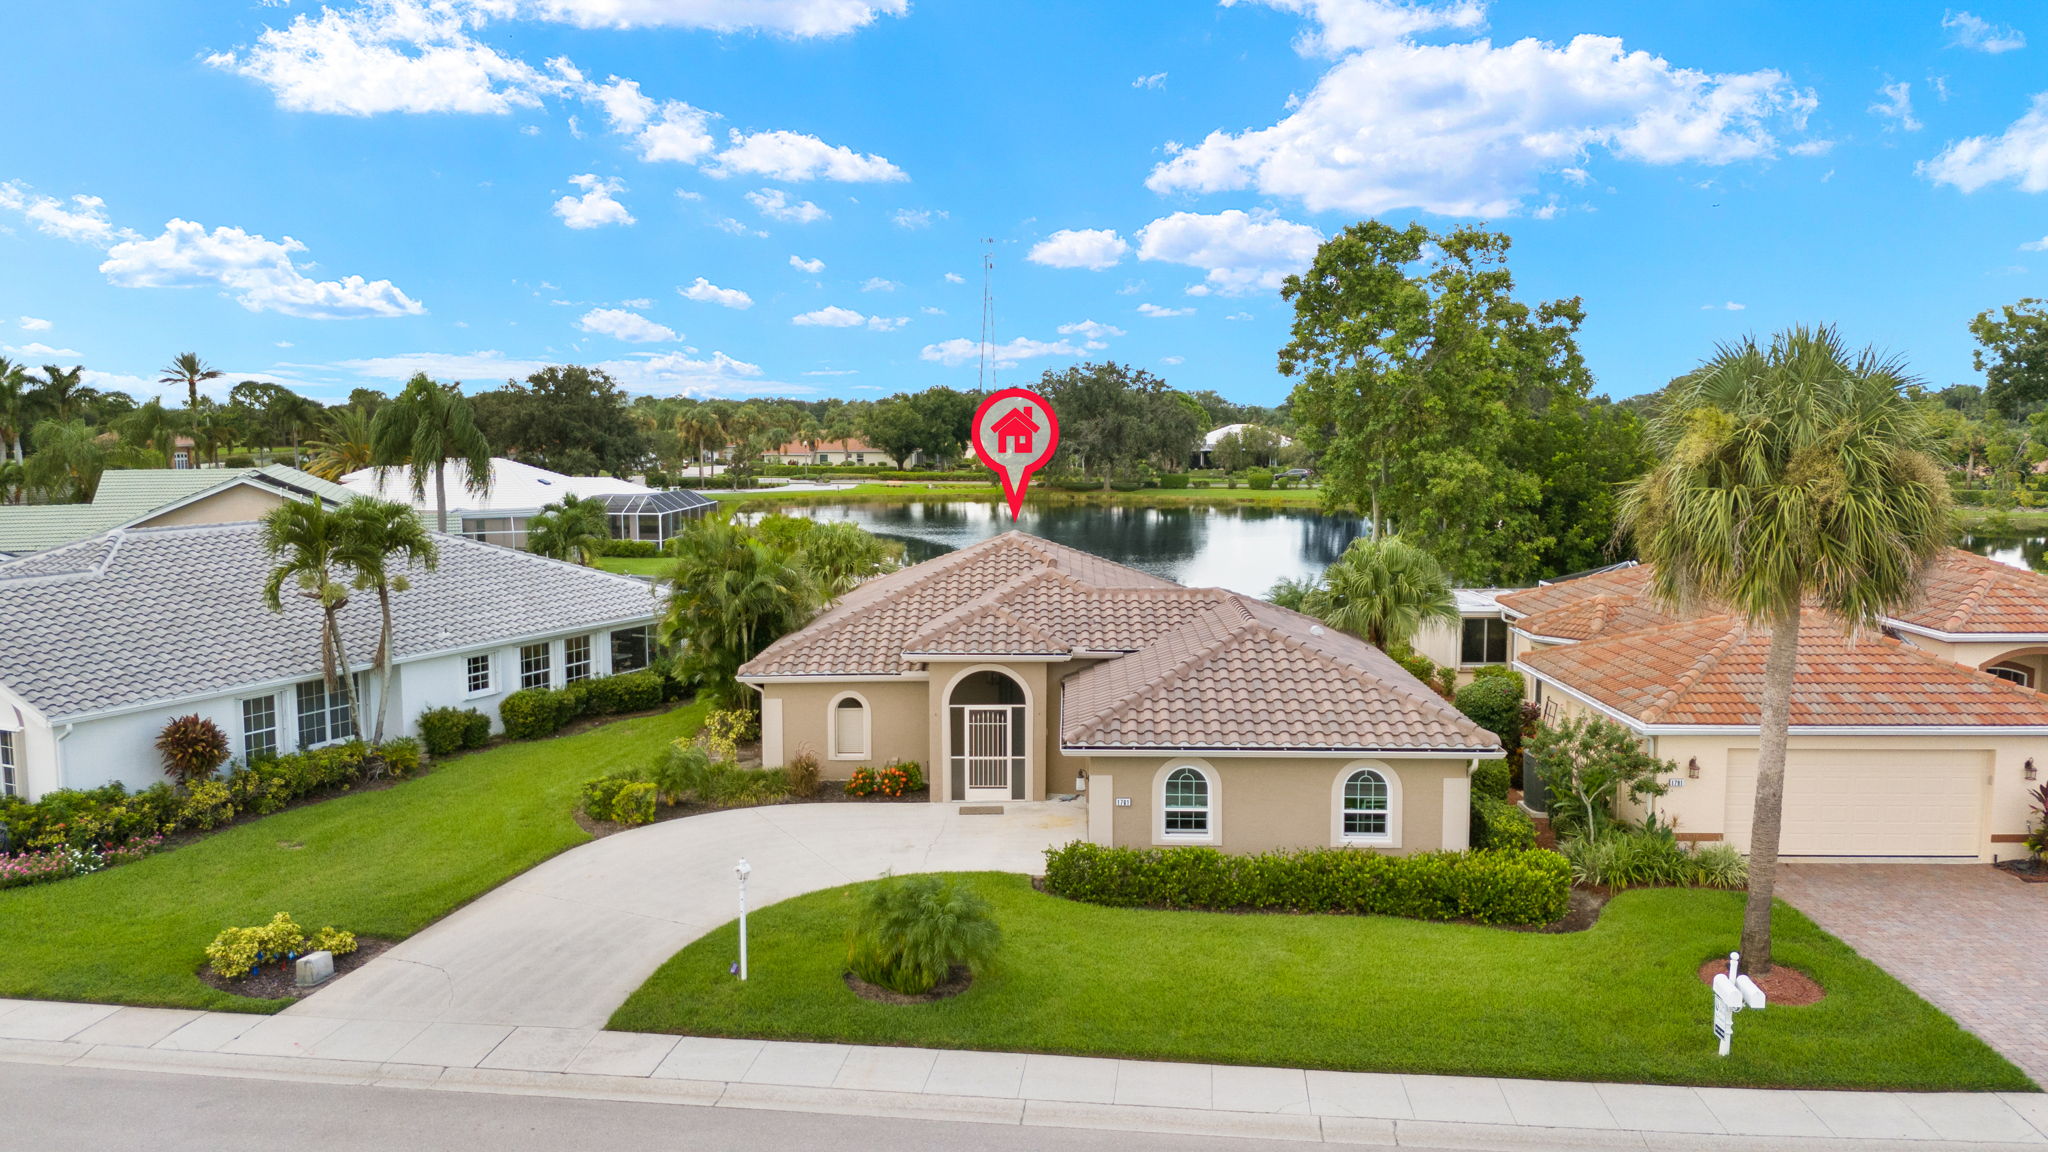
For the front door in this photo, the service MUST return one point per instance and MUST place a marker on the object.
(988, 751)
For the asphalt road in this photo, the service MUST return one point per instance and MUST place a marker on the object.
(55, 1109)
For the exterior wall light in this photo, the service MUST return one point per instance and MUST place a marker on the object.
(2031, 774)
(1692, 768)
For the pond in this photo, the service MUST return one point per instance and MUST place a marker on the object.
(2021, 550)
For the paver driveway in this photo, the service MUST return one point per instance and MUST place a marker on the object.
(1967, 938)
(564, 944)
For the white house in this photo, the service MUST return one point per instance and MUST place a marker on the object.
(1215, 436)
(104, 641)
(518, 492)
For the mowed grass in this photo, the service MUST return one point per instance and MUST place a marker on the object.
(637, 565)
(383, 863)
(1618, 1002)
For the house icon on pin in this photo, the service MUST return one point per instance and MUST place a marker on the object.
(1017, 431)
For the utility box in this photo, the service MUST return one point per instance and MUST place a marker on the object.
(314, 969)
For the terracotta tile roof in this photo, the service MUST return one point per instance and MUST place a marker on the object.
(1971, 593)
(799, 448)
(1633, 580)
(1602, 614)
(1710, 671)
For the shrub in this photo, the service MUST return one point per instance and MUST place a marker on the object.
(1490, 779)
(207, 805)
(728, 728)
(533, 712)
(1489, 887)
(893, 780)
(476, 729)
(239, 951)
(599, 799)
(442, 729)
(1652, 857)
(1258, 479)
(192, 747)
(402, 757)
(1494, 702)
(803, 773)
(913, 774)
(1588, 765)
(332, 940)
(687, 772)
(239, 460)
(1198, 483)
(913, 930)
(639, 548)
(1499, 824)
(1174, 479)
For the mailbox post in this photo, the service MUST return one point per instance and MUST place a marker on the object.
(1733, 992)
(742, 871)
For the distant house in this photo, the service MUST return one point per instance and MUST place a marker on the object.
(1204, 456)
(155, 497)
(830, 452)
(518, 492)
(104, 640)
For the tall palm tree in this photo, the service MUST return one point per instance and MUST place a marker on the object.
(67, 462)
(188, 369)
(306, 540)
(729, 596)
(344, 446)
(701, 424)
(15, 407)
(575, 530)
(62, 391)
(423, 429)
(1793, 474)
(1384, 590)
(379, 540)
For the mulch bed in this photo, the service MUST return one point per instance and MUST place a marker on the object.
(2032, 871)
(276, 982)
(946, 989)
(1783, 988)
(829, 792)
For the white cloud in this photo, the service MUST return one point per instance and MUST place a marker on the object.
(912, 219)
(1241, 252)
(1170, 361)
(620, 324)
(1895, 107)
(2040, 245)
(1092, 248)
(83, 218)
(38, 348)
(877, 284)
(1239, 316)
(955, 278)
(1158, 312)
(596, 207)
(795, 18)
(34, 324)
(670, 372)
(740, 227)
(1094, 336)
(529, 129)
(2019, 154)
(887, 323)
(1155, 80)
(960, 350)
(1812, 148)
(1471, 129)
(792, 157)
(928, 310)
(286, 344)
(1730, 306)
(830, 317)
(637, 303)
(775, 204)
(686, 194)
(1980, 35)
(259, 271)
(671, 131)
(809, 267)
(705, 292)
(833, 372)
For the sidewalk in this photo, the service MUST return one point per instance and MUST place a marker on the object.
(1006, 1088)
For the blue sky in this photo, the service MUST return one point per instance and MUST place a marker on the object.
(789, 196)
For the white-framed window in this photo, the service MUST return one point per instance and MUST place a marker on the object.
(477, 674)
(10, 762)
(1366, 805)
(1184, 803)
(2016, 673)
(323, 713)
(1483, 640)
(575, 659)
(259, 728)
(851, 725)
(632, 648)
(536, 666)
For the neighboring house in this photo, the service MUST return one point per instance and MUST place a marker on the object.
(518, 492)
(157, 497)
(1216, 435)
(1017, 668)
(1479, 638)
(103, 641)
(830, 452)
(1916, 741)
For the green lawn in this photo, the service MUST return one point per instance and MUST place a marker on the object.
(2001, 520)
(384, 863)
(636, 565)
(1618, 1002)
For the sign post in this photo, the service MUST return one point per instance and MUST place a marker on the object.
(742, 871)
(1015, 433)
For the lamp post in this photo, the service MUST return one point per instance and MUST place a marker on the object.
(741, 871)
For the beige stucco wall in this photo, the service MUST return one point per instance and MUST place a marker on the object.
(896, 722)
(237, 505)
(1263, 803)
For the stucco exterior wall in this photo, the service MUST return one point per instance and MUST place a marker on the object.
(896, 722)
(237, 505)
(1263, 803)
(1034, 677)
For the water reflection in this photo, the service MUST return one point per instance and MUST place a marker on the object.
(2016, 549)
(1243, 549)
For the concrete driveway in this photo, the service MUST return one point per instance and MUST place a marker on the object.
(1966, 937)
(564, 944)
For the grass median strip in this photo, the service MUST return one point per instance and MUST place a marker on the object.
(379, 863)
(1621, 1001)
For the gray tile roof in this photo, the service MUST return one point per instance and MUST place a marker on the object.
(126, 495)
(148, 614)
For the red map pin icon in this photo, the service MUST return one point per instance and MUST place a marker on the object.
(1015, 433)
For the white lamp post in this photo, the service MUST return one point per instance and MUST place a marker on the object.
(741, 871)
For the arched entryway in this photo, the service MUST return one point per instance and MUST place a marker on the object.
(987, 737)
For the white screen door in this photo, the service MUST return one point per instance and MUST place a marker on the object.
(988, 750)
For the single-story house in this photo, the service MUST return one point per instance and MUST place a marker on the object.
(157, 497)
(1479, 638)
(1017, 669)
(518, 492)
(1213, 437)
(851, 451)
(1915, 741)
(105, 640)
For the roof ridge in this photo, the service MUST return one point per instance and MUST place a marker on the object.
(1198, 653)
(1979, 588)
(1734, 631)
(989, 601)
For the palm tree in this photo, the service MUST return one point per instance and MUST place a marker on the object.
(346, 444)
(307, 541)
(374, 535)
(14, 407)
(67, 462)
(423, 429)
(154, 427)
(701, 424)
(188, 369)
(1792, 474)
(1383, 589)
(62, 391)
(213, 426)
(840, 554)
(730, 595)
(576, 530)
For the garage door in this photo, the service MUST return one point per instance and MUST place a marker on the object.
(1853, 802)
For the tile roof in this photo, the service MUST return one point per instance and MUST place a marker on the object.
(515, 487)
(1203, 668)
(1970, 593)
(126, 495)
(1629, 580)
(1710, 671)
(1601, 614)
(148, 614)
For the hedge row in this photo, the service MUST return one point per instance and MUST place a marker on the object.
(449, 730)
(534, 712)
(1488, 887)
(1499, 824)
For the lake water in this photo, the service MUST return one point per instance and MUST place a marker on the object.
(1243, 549)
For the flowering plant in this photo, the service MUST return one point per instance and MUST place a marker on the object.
(892, 781)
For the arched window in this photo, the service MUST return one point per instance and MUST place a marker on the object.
(1186, 802)
(849, 721)
(2016, 673)
(1368, 806)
